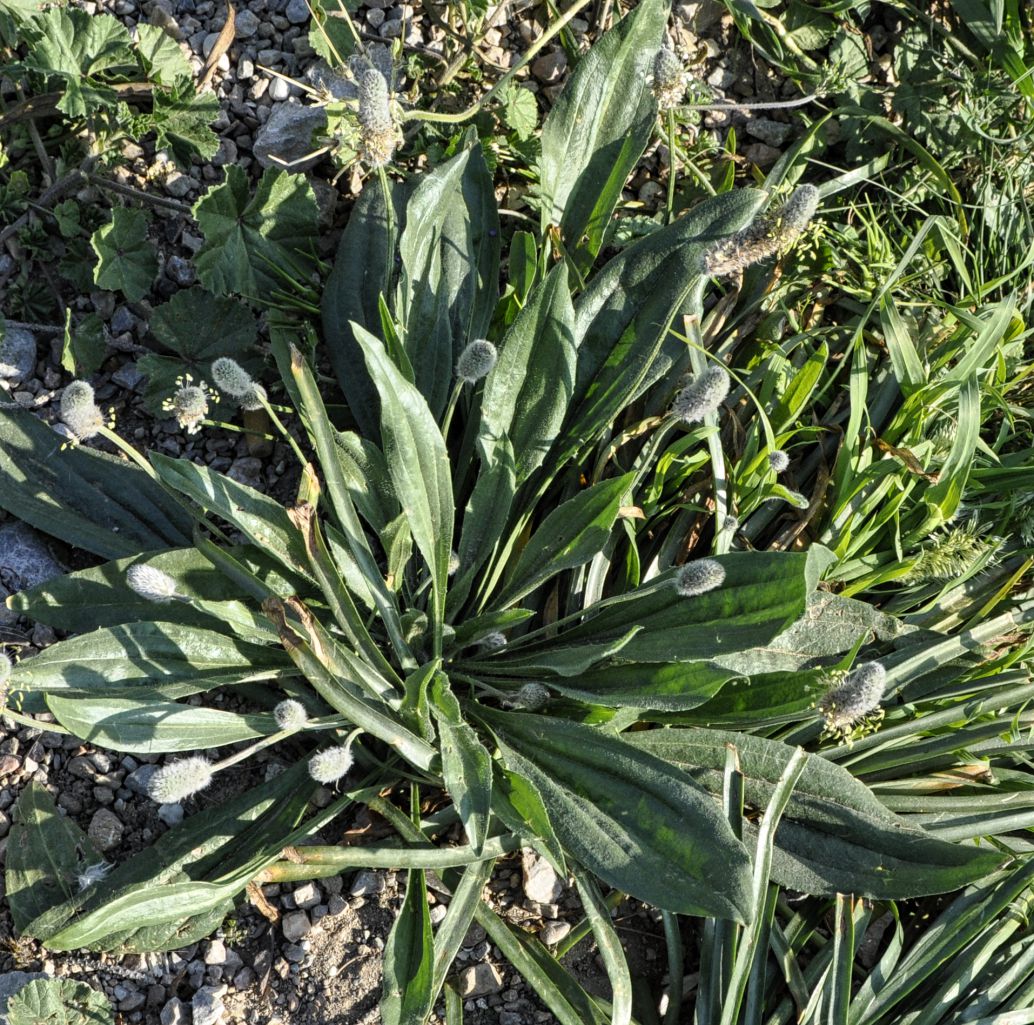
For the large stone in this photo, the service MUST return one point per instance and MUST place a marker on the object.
(207, 1005)
(480, 980)
(541, 883)
(296, 926)
(25, 561)
(17, 353)
(286, 140)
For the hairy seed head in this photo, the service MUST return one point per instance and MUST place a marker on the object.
(778, 460)
(860, 694)
(702, 396)
(79, 410)
(765, 236)
(493, 641)
(151, 583)
(233, 380)
(669, 79)
(290, 715)
(531, 696)
(176, 781)
(699, 577)
(476, 361)
(377, 133)
(331, 763)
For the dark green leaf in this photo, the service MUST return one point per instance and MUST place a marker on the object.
(84, 497)
(181, 124)
(146, 723)
(417, 461)
(251, 242)
(520, 112)
(127, 261)
(450, 269)
(408, 993)
(569, 536)
(162, 654)
(641, 826)
(466, 764)
(360, 276)
(835, 836)
(673, 688)
(200, 327)
(598, 129)
(162, 57)
(84, 347)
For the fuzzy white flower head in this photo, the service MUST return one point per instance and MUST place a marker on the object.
(493, 641)
(378, 135)
(531, 696)
(669, 79)
(764, 237)
(290, 715)
(233, 380)
(699, 577)
(476, 361)
(79, 410)
(151, 583)
(859, 694)
(702, 396)
(330, 764)
(188, 404)
(176, 781)
(778, 460)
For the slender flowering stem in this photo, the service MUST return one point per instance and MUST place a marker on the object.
(279, 424)
(129, 450)
(670, 118)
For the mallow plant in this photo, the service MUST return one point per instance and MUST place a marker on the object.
(453, 603)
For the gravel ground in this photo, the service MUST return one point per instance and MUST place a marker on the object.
(320, 960)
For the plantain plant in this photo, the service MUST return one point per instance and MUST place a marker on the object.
(454, 603)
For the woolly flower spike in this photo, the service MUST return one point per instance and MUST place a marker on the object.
(290, 715)
(330, 764)
(151, 583)
(176, 781)
(764, 237)
(856, 697)
(233, 380)
(189, 404)
(476, 361)
(669, 79)
(493, 641)
(778, 460)
(531, 696)
(378, 136)
(702, 396)
(699, 577)
(79, 410)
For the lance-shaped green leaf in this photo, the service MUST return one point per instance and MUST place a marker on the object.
(418, 463)
(633, 819)
(161, 654)
(360, 276)
(762, 594)
(408, 994)
(526, 394)
(450, 269)
(101, 596)
(466, 764)
(598, 129)
(82, 496)
(146, 723)
(834, 836)
(568, 537)
(622, 317)
(263, 520)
